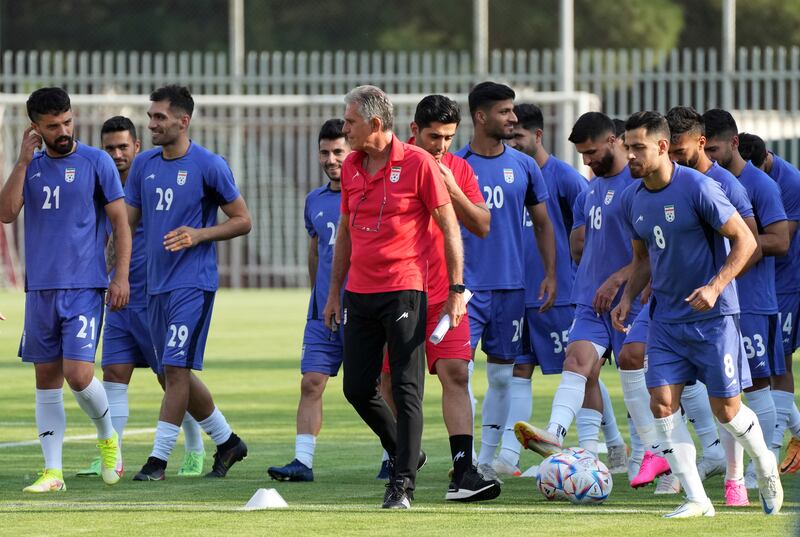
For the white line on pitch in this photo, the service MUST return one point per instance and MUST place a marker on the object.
(77, 438)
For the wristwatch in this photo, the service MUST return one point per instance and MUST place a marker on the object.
(457, 288)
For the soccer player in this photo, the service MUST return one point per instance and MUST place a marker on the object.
(761, 330)
(787, 284)
(321, 356)
(175, 190)
(126, 338)
(67, 190)
(679, 221)
(546, 333)
(687, 142)
(495, 271)
(390, 192)
(603, 270)
(435, 122)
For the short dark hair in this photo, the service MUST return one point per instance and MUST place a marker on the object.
(529, 116)
(591, 126)
(118, 124)
(178, 96)
(683, 120)
(50, 100)
(720, 124)
(437, 109)
(619, 127)
(331, 130)
(487, 93)
(752, 148)
(653, 123)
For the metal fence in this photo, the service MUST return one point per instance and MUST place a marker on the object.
(269, 134)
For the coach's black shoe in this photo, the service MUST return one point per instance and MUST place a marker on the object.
(294, 471)
(423, 460)
(397, 495)
(387, 467)
(232, 451)
(153, 470)
(472, 487)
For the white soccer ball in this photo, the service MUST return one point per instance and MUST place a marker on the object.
(587, 481)
(554, 469)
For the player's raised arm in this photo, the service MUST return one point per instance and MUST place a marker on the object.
(546, 244)
(475, 216)
(742, 247)
(238, 223)
(11, 199)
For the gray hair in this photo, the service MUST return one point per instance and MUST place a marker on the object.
(372, 102)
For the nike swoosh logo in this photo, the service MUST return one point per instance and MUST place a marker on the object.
(151, 176)
(35, 175)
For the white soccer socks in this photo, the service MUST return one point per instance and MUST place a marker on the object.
(117, 394)
(637, 401)
(304, 445)
(746, 430)
(588, 426)
(694, 400)
(609, 422)
(762, 404)
(678, 448)
(496, 404)
(94, 402)
(164, 442)
(51, 422)
(566, 403)
(520, 410)
(192, 437)
(216, 426)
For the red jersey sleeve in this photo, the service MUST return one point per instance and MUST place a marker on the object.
(466, 180)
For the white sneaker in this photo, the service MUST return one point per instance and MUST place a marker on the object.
(617, 460)
(750, 479)
(668, 484)
(503, 467)
(710, 467)
(770, 491)
(489, 473)
(690, 509)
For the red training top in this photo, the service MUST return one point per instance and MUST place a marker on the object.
(389, 216)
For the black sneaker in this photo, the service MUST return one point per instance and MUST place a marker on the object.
(472, 488)
(390, 463)
(153, 470)
(397, 495)
(228, 454)
(294, 471)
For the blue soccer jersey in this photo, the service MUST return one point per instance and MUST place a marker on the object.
(680, 225)
(509, 182)
(564, 184)
(321, 217)
(787, 267)
(757, 285)
(607, 245)
(65, 220)
(732, 189)
(186, 191)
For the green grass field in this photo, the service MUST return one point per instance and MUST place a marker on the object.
(252, 367)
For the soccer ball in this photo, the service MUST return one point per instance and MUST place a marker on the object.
(555, 469)
(587, 481)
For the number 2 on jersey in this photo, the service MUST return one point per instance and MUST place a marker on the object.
(494, 197)
(52, 199)
(332, 227)
(164, 199)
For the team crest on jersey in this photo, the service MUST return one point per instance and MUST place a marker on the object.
(508, 175)
(669, 213)
(394, 174)
(609, 197)
(69, 175)
(182, 177)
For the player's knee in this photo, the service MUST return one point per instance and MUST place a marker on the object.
(454, 375)
(523, 371)
(312, 385)
(630, 359)
(575, 364)
(660, 409)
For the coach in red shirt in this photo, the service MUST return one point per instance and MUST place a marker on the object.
(390, 191)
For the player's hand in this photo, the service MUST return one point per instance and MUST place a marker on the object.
(455, 307)
(447, 177)
(332, 310)
(605, 295)
(119, 292)
(702, 298)
(182, 238)
(547, 288)
(620, 314)
(31, 141)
